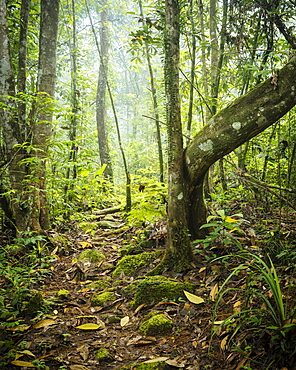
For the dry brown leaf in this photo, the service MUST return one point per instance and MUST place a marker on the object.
(223, 343)
(175, 363)
(139, 308)
(78, 367)
(44, 323)
(214, 292)
(124, 321)
(156, 359)
(22, 363)
(83, 351)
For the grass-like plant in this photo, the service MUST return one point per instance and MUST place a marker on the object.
(271, 323)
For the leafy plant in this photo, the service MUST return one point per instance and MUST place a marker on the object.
(222, 229)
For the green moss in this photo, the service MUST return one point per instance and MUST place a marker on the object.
(131, 264)
(99, 299)
(63, 293)
(60, 241)
(110, 319)
(91, 255)
(35, 304)
(130, 249)
(103, 355)
(158, 365)
(88, 227)
(155, 289)
(98, 285)
(156, 325)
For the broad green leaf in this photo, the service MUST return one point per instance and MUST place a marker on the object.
(193, 298)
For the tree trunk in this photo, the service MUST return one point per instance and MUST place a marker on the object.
(12, 135)
(245, 118)
(178, 251)
(154, 100)
(41, 126)
(101, 95)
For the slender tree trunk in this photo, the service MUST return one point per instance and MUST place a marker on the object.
(178, 250)
(155, 104)
(127, 174)
(192, 71)
(101, 94)
(41, 126)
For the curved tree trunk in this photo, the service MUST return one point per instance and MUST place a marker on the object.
(245, 118)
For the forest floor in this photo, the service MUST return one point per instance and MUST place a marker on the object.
(59, 340)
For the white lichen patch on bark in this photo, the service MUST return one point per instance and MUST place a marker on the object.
(237, 125)
(206, 146)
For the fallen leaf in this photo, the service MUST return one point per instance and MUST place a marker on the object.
(237, 307)
(193, 298)
(124, 321)
(44, 323)
(202, 269)
(223, 343)
(79, 367)
(89, 326)
(214, 292)
(175, 363)
(85, 244)
(156, 359)
(83, 351)
(25, 352)
(19, 328)
(22, 363)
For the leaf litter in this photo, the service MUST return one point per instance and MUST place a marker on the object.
(72, 332)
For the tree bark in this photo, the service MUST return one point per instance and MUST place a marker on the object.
(41, 126)
(101, 95)
(245, 118)
(178, 250)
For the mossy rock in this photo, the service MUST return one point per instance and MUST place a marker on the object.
(103, 355)
(130, 249)
(99, 299)
(99, 285)
(109, 318)
(91, 255)
(153, 289)
(130, 265)
(88, 227)
(156, 325)
(60, 241)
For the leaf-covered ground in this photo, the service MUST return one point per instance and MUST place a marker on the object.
(60, 339)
